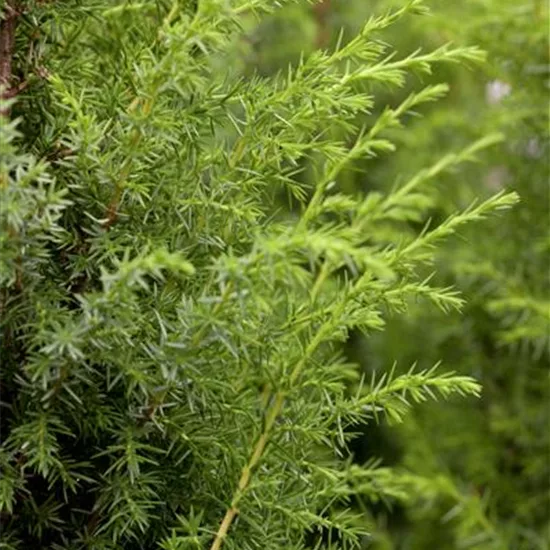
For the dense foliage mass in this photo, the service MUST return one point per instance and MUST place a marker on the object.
(186, 253)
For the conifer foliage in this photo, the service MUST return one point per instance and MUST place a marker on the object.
(172, 374)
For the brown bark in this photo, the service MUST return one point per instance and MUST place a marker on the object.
(7, 46)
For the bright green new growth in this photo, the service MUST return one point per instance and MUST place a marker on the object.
(171, 365)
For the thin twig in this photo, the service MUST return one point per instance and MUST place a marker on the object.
(272, 414)
(247, 471)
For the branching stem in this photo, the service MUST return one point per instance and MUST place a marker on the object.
(274, 410)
